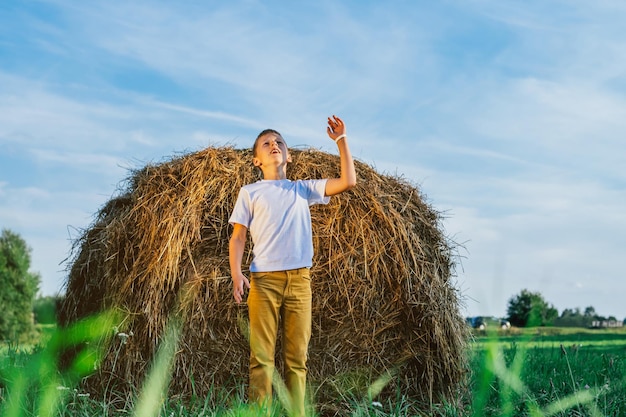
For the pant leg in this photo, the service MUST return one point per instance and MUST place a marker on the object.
(297, 334)
(264, 302)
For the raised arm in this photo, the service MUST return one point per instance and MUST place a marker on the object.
(236, 246)
(337, 131)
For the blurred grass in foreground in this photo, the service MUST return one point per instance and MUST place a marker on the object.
(30, 378)
(529, 374)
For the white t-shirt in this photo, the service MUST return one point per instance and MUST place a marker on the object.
(276, 212)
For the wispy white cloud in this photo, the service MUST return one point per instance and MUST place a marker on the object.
(31, 114)
(257, 57)
(217, 115)
(48, 222)
(101, 164)
(550, 112)
(555, 231)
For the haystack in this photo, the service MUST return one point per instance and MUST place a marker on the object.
(384, 299)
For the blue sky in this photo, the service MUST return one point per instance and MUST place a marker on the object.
(510, 116)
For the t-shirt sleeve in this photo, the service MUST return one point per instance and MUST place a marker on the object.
(317, 192)
(242, 212)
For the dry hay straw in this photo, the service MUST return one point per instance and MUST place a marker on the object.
(384, 300)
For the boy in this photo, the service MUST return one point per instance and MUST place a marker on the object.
(276, 211)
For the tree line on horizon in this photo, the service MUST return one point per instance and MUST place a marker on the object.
(530, 309)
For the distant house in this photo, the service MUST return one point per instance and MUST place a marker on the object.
(482, 322)
(599, 324)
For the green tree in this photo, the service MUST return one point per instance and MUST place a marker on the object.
(572, 318)
(18, 287)
(529, 309)
(45, 308)
(569, 312)
(590, 312)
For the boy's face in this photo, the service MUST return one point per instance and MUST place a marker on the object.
(271, 150)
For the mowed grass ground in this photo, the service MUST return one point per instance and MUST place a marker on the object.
(522, 372)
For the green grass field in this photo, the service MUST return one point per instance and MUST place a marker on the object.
(528, 372)
(549, 371)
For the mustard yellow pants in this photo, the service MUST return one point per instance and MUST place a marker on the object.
(285, 297)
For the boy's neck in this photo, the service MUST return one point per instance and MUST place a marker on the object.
(280, 173)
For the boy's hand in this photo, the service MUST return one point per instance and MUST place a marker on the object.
(239, 282)
(335, 127)
(337, 131)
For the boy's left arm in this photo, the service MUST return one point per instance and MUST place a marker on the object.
(337, 131)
